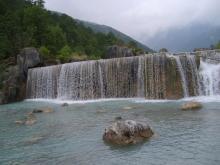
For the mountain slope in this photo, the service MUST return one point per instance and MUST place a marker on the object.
(186, 38)
(26, 23)
(106, 29)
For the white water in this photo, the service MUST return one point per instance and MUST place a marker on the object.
(183, 77)
(154, 77)
(210, 78)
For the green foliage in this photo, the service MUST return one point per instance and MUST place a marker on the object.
(25, 23)
(55, 39)
(65, 53)
(132, 44)
(217, 46)
(44, 52)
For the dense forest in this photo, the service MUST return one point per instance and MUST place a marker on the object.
(26, 23)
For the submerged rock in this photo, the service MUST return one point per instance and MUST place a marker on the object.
(191, 106)
(31, 119)
(20, 122)
(43, 110)
(118, 118)
(65, 105)
(127, 108)
(34, 140)
(127, 132)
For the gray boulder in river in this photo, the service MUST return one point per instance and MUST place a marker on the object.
(127, 132)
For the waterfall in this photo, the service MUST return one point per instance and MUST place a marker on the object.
(210, 78)
(183, 76)
(151, 76)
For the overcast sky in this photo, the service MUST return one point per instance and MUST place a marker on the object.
(141, 19)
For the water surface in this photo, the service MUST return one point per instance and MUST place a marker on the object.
(73, 134)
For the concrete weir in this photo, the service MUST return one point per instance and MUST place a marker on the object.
(150, 76)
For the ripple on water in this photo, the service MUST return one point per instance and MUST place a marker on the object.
(73, 135)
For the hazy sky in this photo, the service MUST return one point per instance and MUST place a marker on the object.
(141, 19)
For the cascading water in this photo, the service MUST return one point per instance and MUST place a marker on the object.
(153, 76)
(183, 77)
(210, 78)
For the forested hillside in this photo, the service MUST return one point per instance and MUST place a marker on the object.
(107, 29)
(26, 23)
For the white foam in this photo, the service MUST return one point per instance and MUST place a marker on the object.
(203, 99)
(58, 101)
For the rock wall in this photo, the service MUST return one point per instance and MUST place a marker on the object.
(15, 76)
(118, 51)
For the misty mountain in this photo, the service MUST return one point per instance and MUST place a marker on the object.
(106, 29)
(186, 38)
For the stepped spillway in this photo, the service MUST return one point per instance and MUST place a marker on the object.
(151, 76)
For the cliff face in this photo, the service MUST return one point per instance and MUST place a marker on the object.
(117, 51)
(15, 77)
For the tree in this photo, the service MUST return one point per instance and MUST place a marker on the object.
(44, 51)
(65, 53)
(39, 3)
(132, 44)
(55, 39)
(25, 23)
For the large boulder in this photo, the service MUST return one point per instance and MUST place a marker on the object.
(28, 58)
(118, 51)
(127, 132)
(191, 106)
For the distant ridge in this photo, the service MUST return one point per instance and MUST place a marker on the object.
(107, 29)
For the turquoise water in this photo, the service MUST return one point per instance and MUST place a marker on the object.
(73, 134)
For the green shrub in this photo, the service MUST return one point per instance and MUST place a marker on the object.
(44, 52)
(65, 53)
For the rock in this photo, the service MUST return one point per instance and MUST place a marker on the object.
(65, 105)
(1, 98)
(43, 110)
(34, 140)
(20, 122)
(191, 106)
(38, 111)
(101, 111)
(13, 88)
(31, 119)
(118, 51)
(28, 58)
(118, 118)
(127, 108)
(14, 77)
(127, 132)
